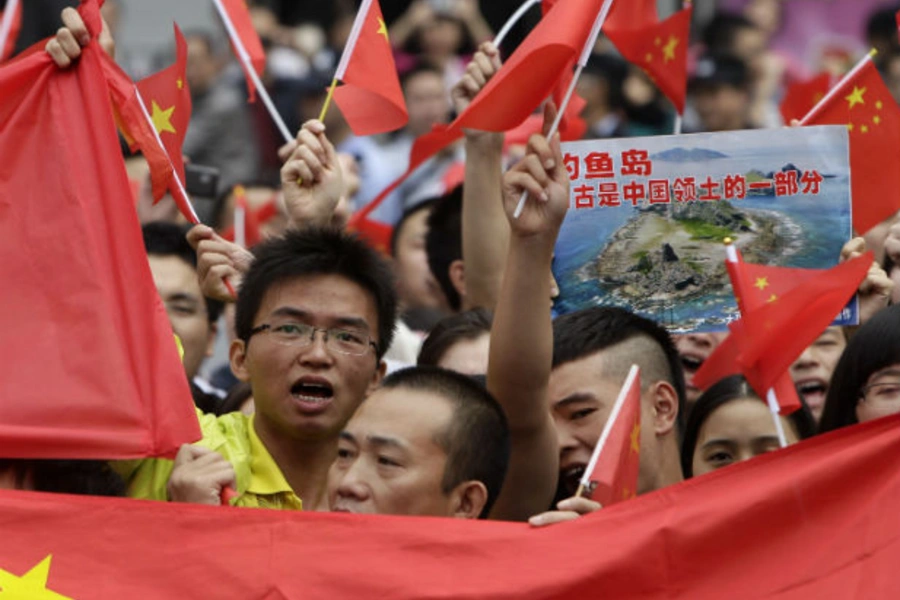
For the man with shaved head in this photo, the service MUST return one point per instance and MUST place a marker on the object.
(593, 350)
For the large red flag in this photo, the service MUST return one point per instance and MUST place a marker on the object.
(864, 104)
(660, 49)
(612, 474)
(242, 34)
(816, 520)
(370, 99)
(88, 367)
(528, 77)
(803, 95)
(10, 23)
(168, 100)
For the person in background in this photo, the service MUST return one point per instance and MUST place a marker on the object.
(194, 318)
(220, 133)
(865, 384)
(460, 343)
(730, 424)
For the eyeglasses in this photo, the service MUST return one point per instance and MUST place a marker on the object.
(882, 393)
(298, 335)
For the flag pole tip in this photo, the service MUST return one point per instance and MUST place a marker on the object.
(873, 52)
(728, 241)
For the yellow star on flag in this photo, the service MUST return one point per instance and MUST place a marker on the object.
(162, 119)
(761, 283)
(772, 298)
(32, 585)
(864, 129)
(636, 438)
(648, 57)
(627, 494)
(179, 83)
(879, 105)
(382, 29)
(876, 119)
(669, 49)
(855, 97)
(849, 126)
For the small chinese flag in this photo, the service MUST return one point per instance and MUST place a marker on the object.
(10, 23)
(770, 336)
(660, 49)
(168, 100)
(242, 25)
(370, 99)
(803, 95)
(629, 15)
(864, 104)
(533, 70)
(612, 473)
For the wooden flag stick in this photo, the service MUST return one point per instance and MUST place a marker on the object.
(328, 98)
(815, 110)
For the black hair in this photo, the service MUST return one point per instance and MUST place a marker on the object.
(586, 332)
(162, 238)
(874, 346)
(614, 71)
(467, 325)
(882, 24)
(420, 66)
(87, 477)
(443, 242)
(235, 398)
(725, 391)
(466, 46)
(720, 33)
(407, 214)
(318, 251)
(477, 440)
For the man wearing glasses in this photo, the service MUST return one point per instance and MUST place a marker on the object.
(314, 316)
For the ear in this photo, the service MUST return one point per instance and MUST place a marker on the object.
(665, 407)
(237, 355)
(211, 338)
(467, 500)
(458, 276)
(377, 377)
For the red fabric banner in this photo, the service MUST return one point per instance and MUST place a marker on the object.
(239, 14)
(816, 520)
(88, 367)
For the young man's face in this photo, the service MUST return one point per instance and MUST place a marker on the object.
(309, 391)
(389, 461)
(176, 282)
(581, 399)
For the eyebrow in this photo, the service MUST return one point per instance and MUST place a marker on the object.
(347, 436)
(892, 371)
(343, 321)
(379, 440)
(718, 442)
(575, 398)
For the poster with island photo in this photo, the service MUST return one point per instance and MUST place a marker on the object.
(648, 218)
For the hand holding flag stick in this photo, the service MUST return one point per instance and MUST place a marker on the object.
(582, 62)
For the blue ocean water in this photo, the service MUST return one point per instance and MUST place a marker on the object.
(824, 223)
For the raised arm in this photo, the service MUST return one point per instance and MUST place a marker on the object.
(522, 336)
(485, 232)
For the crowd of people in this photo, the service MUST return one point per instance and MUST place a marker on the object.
(436, 380)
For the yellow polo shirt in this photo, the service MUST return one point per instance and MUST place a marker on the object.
(260, 483)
